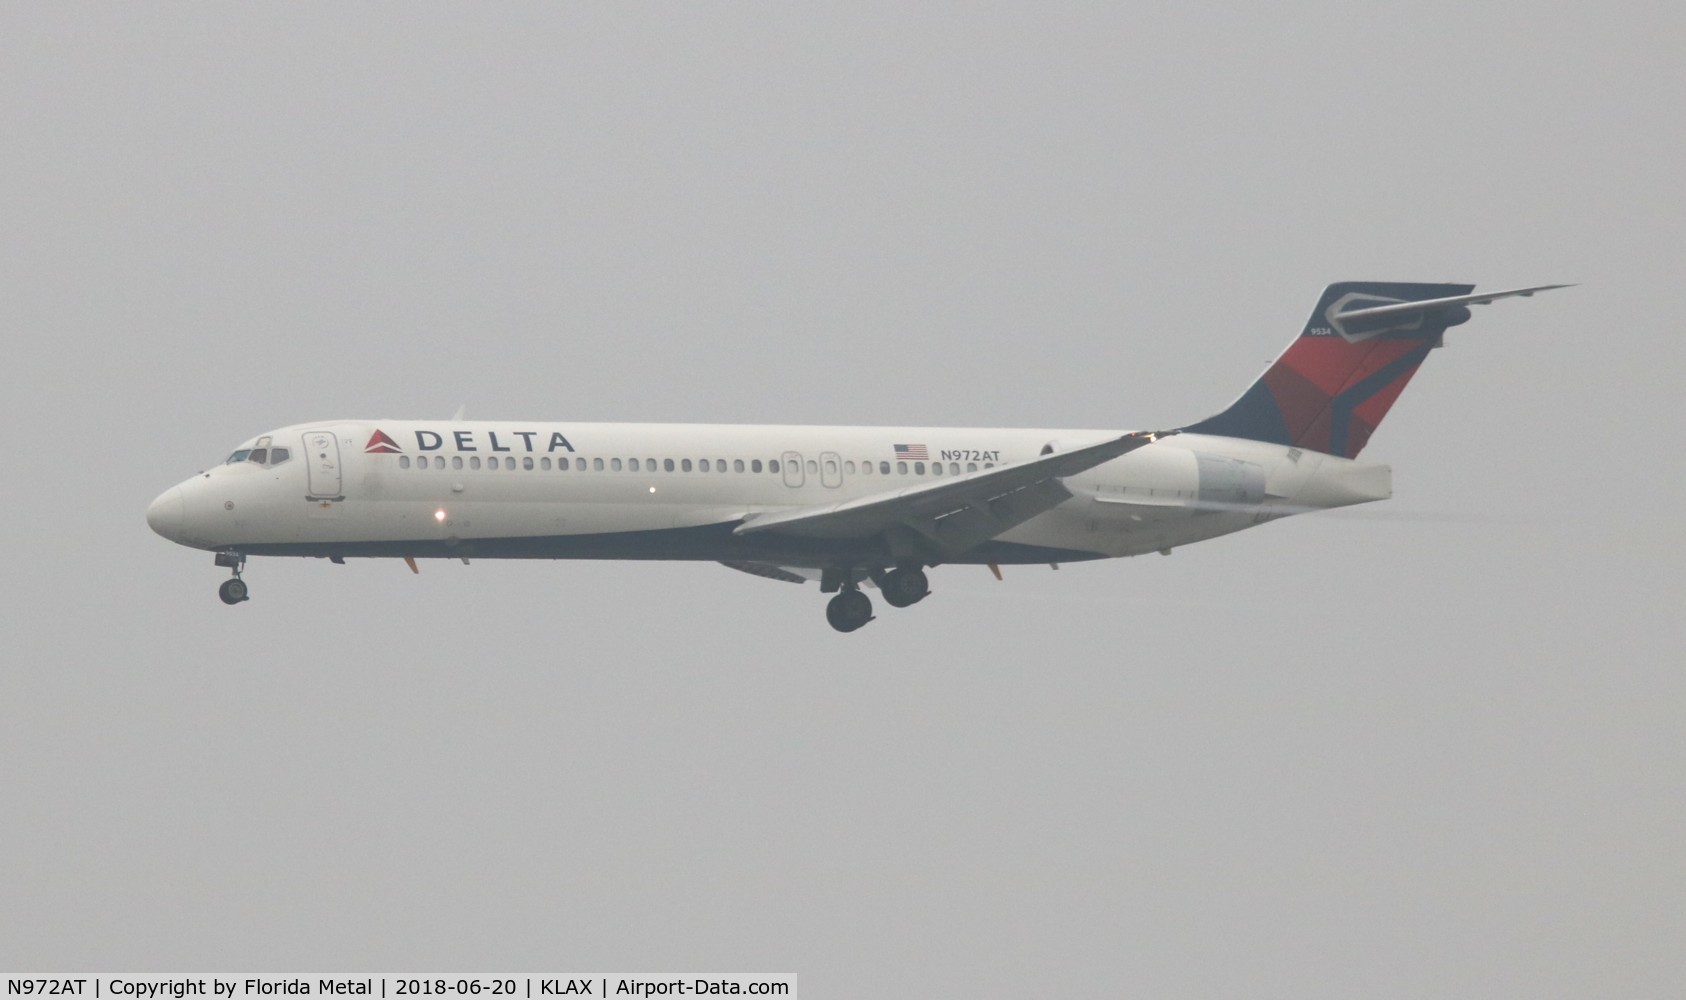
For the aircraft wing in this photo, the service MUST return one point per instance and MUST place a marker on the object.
(955, 513)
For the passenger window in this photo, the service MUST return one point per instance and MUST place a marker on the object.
(720, 464)
(474, 461)
(597, 464)
(737, 465)
(403, 461)
(772, 465)
(971, 466)
(667, 463)
(279, 455)
(919, 468)
(702, 465)
(831, 467)
(936, 468)
(632, 463)
(562, 465)
(954, 468)
(527, 463)
(259, 455)
(684, 465)
(813, 467)
(614, 465)
(650, 463)
(544, 463)
(509, 463)
(456, 461)
(492, 464)
(849, 467)
(901, 468)
(884, 468)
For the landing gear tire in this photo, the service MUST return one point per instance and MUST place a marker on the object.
(232, 591)
(903, 587)
(849, 611)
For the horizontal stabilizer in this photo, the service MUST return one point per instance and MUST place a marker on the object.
(1403, 309)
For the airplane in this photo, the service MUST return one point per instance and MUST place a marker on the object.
(850, 507)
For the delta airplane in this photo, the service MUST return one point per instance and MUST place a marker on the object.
(851, 507)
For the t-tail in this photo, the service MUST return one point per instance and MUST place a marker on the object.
(1330, 389)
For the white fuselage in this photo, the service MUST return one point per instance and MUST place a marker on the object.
(402, 488)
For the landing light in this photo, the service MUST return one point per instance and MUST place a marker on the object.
(652, 489)
(439, 515)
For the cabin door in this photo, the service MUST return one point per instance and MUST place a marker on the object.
(322, 457)
(831, 470)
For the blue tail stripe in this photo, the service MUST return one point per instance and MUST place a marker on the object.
(1255, 416)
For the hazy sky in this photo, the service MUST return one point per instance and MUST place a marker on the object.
(1436, 747)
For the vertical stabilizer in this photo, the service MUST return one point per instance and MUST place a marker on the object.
(1333, 385)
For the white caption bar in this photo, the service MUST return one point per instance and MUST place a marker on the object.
(398, 987)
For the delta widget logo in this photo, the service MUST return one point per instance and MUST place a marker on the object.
(380, 444)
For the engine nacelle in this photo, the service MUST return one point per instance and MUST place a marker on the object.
(1230, 481)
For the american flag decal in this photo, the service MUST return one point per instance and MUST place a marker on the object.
(913, 453)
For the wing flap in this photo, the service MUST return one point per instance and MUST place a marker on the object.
(766, 571)
(974, 524)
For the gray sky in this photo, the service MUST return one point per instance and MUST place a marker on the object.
(1433, 747)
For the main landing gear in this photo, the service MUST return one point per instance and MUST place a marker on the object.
(904, 587)
(850, 609)
(233, 591)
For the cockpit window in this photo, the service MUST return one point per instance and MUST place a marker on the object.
(260, 456)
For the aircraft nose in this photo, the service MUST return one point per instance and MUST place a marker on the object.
(165, 514)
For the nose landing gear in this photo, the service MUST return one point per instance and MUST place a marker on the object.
(233, 591)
